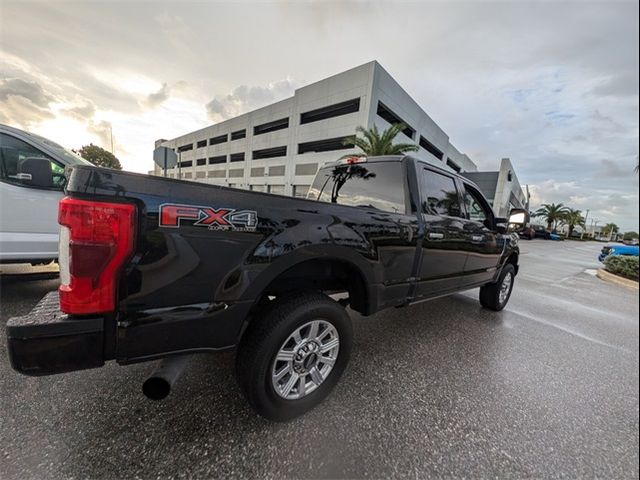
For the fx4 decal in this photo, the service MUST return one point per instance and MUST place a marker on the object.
(171, 214)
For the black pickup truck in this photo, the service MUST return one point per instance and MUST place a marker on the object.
(153, 268)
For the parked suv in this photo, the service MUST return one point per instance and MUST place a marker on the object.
(31, 185)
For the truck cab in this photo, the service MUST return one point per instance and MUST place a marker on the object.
(452, 238)
(31, 185)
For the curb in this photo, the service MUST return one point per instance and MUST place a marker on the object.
(611, 278)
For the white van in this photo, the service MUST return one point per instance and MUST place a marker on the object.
(31, 184)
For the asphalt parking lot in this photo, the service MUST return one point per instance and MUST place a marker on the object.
(548, 387)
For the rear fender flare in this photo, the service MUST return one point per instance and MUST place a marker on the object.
(314, 252)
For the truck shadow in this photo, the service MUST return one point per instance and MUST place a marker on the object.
(407, 369)
(405, 362)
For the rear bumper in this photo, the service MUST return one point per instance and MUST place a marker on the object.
(47, 341)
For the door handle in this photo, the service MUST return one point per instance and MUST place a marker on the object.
(435, 236)
(477, 238)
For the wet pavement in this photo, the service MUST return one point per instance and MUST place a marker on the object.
(546, 388)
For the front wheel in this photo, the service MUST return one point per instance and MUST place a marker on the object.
(290, 360)
(495, 296)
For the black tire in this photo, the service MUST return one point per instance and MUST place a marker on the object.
(264, 338)
(490, 294)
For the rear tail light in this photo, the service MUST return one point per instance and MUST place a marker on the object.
(96, 238)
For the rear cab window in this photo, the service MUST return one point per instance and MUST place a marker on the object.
(377, 185)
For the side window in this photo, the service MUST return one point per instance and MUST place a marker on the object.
(440, 194)
(476, 208)
(378, 185)
(14, 151)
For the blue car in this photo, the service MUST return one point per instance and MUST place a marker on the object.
(630, 250)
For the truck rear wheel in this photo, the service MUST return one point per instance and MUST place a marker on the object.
(495, 296)
(290, 360)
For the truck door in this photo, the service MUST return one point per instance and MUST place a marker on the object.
(443, 253)
(382, 223)
(28, 215)
(483, 246)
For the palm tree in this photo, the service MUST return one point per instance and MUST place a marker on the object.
(343, 173)
(375, 143)
(552, 213)
(573, 218)
(609, 229)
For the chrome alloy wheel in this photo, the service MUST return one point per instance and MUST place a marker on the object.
(505, 288)
(305, 359)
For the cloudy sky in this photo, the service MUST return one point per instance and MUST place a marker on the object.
(553, 86)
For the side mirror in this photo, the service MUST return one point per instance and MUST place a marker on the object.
(35, 172)
(518, 217)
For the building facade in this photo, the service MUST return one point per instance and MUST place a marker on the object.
(502, 188)
(279, 148)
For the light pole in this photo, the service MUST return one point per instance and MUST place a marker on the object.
(585, 224)
(593, 226)
(111, 135)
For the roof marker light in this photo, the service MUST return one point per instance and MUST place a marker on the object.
(352, 160)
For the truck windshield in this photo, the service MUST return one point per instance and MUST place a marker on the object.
(378, 185)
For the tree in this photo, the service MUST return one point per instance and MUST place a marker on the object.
(609, 229)
(630, 236)
(552, 213)
(99, 156)
(573, 218)
(375, 143)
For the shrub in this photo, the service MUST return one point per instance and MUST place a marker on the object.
(623, 265)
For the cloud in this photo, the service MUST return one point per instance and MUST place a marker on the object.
(552, 191)
(156, 98)
(21, 112)
(81, 112)
(622, 85)
(101, 129)
(245, 98)
(24, 102)
(31, 91)
(604, 204)
(613, 169)
(174, 30)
